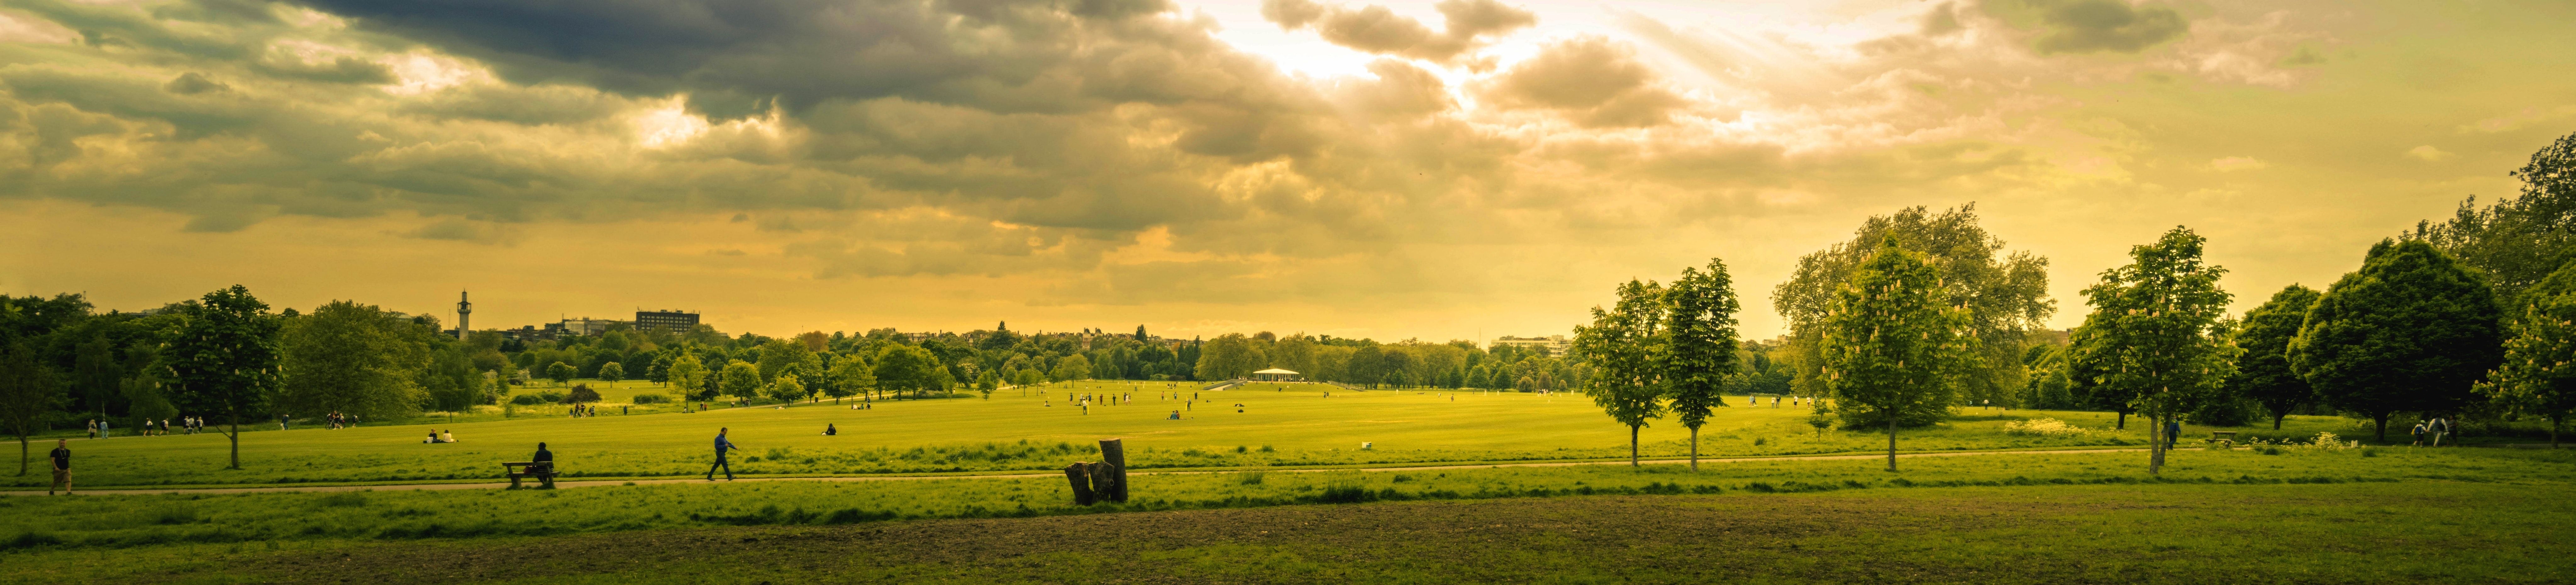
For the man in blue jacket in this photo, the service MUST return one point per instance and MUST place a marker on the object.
(722, 446)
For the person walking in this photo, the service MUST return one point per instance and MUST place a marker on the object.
(2173, 432)
(722, 446)
(2418, 431)
(93, 428)
(62, 456)
(2439, 428)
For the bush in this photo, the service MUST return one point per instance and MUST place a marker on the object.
(652, 399)
(581, 393)
(537, 398)
(2044, 427)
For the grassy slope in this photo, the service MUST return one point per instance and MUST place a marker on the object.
(1012, 432)
(2232, 517)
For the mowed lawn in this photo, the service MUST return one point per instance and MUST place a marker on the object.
(1278, 425)
(2298, 515)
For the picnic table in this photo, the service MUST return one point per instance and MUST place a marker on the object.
(544, 473)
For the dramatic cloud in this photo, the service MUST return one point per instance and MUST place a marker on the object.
(1376, 29)
(1346, 167)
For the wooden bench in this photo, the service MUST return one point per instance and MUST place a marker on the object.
(544, 473)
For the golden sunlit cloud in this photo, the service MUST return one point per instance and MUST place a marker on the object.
(1440, 170)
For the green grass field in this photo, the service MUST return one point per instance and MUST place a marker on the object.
(1278, 425)
(2285, 515)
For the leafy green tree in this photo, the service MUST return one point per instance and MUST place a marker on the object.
(1701, 354)
(2158, 323)
(740, 379)
(787, 388)
(2263, 371)
(988, 382)
(1227, 357)
(223, 359)
(1028, 378)
(902, 368)
(1625, 346)
(612, 372)
(96, 375)
(777, 356)
(2520, 240)
(2005, 293)
(27, 392)
(659, 372)
(688, 375)
(352, 358)
(2536, 378)
(1893, 347)
(2410, 331)
(850, 376)
(1074, 367)
(561, 372)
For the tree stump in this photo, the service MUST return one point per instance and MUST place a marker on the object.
(1114, 453)
(1079, 474)
(1104, 481)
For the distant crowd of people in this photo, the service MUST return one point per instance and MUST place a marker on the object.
(101, 428)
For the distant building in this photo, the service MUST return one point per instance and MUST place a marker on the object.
(581, 326)
(1554, 345)
(672, 321)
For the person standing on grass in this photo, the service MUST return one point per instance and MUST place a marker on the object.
(2418, 431)
(62, 456)
(2173, 430)
(722, 446)
(93, 428)
(2441, 427)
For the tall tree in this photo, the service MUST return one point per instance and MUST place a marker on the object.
(777, 356)
(2536, 378)
(27, 392)
(2004, 293)
(850, 376)
(2410, 331)
(740, 379)
(612, 372)
(224, 358)
(2518, 240)
(1072, 367)
(1894, 348)
(95, 373)
(561, 372)
(787, 388)
(351, 358)
(903, 368)
(2160, 338)
(688, 374)
(2263, 371)
(1625, 346)
(1702, 354)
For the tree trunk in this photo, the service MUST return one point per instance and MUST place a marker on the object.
(2156, 446)
(22, 449)
(2124, 421)
(1891, 443)
(1694, 448)
(2276, 421)
(1114, 453)
(1079, 474)
(2554, 423)
(1632, 445)
(236, 438)
(2381, 420)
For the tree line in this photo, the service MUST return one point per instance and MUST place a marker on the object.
(1920, 312)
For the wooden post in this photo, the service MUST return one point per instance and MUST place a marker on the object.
(1079, 474)
(1114, 453)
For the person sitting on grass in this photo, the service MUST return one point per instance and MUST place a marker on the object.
(447, 436)
(433, 438)
(829, 430)
(1176, 415)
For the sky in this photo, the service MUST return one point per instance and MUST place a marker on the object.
(1461, 169)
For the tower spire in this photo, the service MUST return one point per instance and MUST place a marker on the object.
(464, 312)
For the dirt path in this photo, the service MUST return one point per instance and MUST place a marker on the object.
(576, 484)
